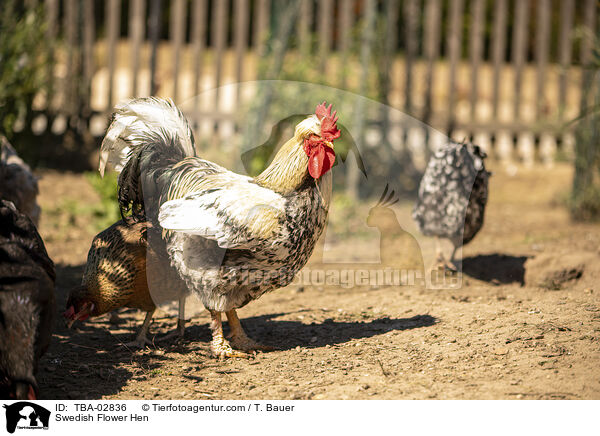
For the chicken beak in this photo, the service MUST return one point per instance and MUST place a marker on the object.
(82, 314)
(328, 144)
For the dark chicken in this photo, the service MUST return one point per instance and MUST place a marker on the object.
(27, 303)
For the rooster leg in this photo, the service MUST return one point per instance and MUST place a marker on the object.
(141, 339)
(238, 336)
(219, 345)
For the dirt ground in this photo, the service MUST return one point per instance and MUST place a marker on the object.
(524, 325)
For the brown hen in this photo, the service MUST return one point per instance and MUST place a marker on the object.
(119, 264)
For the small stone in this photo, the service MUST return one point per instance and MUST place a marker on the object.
(314, 339)
(298, 348)
(501, 351)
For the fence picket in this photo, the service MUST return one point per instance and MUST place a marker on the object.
(454, 49)
(136, 36)
(113, 21)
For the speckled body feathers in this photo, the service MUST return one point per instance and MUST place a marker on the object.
(453, 193)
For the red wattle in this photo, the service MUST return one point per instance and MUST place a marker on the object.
(320, 160)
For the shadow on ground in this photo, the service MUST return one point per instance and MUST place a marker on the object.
(495, 268)
(89, 360)
(285, 334)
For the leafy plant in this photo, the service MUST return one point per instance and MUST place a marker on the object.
(107, 211)
(23, 62)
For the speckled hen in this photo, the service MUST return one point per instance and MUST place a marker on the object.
(230, 237)
(452, 196)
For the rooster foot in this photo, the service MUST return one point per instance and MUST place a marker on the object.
(140, 343)
(247, 344)
(222, 349)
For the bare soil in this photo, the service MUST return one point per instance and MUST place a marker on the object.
(524, 325)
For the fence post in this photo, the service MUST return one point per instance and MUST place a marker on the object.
(113, 26)
(432, 48)
(177, 35)
(476, 49)
(564, 52)
(325, 15)
(154, 34)
(454, 48)
(137, 11)
(367, 42)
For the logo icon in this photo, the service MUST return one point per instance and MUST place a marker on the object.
(26, 415)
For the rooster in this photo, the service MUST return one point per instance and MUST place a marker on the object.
(230, 237)
(119, 265)
(452, 197)
(27, 303)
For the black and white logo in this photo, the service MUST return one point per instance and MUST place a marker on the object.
(26, 415)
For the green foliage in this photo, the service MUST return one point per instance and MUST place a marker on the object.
(23, 62)
(106, 212)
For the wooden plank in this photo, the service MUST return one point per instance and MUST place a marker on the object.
(325, 15)
(518, 51)
(261, 25)
(346, 22)
(476, 50)
(51, 11)
(390, 11)
(89, 34)
(218, 37)
(432, 50)
(589, 27)
(305, 25)
(199, 15)
(241, 41)
(113, 26)
(454, 52)
(498, 51)
(137, 18)
(177, 35)
(71, 77)
(410, 15)
(359, 119)
(153, 35)
(542, 45)
(565, 50)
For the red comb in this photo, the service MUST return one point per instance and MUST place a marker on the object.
(329, 130)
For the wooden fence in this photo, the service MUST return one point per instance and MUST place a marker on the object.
(504, 72)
